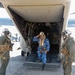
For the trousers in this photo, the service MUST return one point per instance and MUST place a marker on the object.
(42, 57)
(4, 63)
(3, 66)
(67, 66)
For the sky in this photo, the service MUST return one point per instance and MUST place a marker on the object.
(72, 9)
(72, 6)
(3, 13)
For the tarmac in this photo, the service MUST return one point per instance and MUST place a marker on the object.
(16, 65)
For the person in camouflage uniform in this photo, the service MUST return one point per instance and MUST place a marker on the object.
(4, 55)
(68, 52)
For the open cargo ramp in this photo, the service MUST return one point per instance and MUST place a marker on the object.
(52, 14)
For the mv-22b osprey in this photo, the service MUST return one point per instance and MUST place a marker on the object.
(32, 16)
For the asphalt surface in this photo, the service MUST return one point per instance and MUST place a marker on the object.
(16, 66)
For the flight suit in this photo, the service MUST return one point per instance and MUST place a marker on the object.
(5, 55)
(69, 54)
(42, 56)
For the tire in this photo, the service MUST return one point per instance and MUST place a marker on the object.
(22, 53)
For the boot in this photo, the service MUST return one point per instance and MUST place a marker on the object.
(43, 66)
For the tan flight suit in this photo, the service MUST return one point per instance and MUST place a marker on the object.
(68, 52)
(4, 56)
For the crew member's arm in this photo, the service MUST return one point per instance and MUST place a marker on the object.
(36, 38)
(47, 45)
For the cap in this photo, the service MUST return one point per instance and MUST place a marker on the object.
(41, 33)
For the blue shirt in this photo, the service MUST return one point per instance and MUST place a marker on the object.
(46, 43)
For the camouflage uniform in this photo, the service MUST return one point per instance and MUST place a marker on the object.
(68, 56)
(5, 55)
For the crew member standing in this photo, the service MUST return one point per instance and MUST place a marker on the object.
(68, 52)
(5, 46)
(44, 47)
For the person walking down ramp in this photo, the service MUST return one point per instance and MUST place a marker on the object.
(44, 47)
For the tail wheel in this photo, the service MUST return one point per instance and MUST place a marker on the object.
(22, 53)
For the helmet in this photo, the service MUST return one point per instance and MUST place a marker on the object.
(6, 31)
(67, 33)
